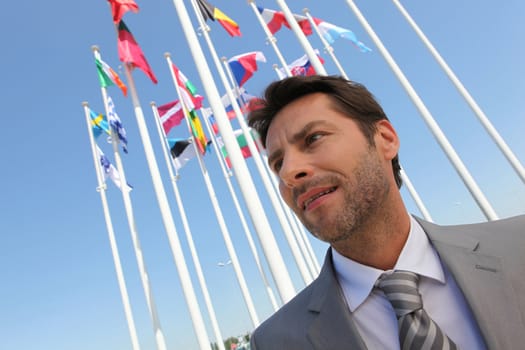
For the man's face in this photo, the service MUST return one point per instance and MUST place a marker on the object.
(330, 175)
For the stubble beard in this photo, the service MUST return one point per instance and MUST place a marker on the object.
(364, 195)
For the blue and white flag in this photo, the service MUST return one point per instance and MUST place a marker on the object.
(110, 170)
(116, 125)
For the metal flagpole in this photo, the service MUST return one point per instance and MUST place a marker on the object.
(419, 203)
(227, 175)
(479, 197)
(189, 237)
(274, 198)
(111, 235)
(270, 37)
(167, 219)
(248, 190)
(316, 63)
(328, 48)
(159, 336)
(216, 207)
(511, 157)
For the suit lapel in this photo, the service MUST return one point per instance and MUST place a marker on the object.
(334, 326)
(482, 280)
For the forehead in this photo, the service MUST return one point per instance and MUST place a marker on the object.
(297, 114)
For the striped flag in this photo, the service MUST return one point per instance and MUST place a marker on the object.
(331, 32)
(108, 77)
(171, 115)
(209, 11)
(182, 151)
(244, 65)
(130, 52)
(116, 125)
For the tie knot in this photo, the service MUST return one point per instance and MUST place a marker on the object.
(400, 288)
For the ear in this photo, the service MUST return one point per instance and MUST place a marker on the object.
(387, 141)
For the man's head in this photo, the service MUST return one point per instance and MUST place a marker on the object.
(349, 98)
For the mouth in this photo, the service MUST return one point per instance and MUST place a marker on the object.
(317, 195)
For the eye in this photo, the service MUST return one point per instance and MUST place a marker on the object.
(276, 166)
(311, 138)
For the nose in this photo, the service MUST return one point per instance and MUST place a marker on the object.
(294, 170)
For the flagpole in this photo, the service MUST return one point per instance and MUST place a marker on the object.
(328, 48)
(227, 176)
(274, 198)
(111, 235)
(270, 37)
(463, 172)
(167, 218)
(248, 190)
(216, 207)
(316, 63)
(419, 203)
(159, 336)
(500, 142)
(187, 230)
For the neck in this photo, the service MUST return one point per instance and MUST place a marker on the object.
(380, 240)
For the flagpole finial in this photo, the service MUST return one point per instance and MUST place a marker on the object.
(95, 48)
(85, 104)
(167, 54)
(152, 104)
(250, 1)
(275, 65)
(224, 58)
(306, 10)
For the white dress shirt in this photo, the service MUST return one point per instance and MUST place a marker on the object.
(443, 301)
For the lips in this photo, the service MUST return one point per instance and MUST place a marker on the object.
(305, 199)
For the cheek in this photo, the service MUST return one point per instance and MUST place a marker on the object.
(286, 193)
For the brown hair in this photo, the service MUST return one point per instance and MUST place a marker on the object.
(350, 98)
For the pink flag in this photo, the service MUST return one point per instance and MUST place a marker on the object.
(130, 52)
(170, 115)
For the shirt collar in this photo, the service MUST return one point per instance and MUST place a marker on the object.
(417, 255)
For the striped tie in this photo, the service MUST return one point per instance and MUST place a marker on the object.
(416, 329)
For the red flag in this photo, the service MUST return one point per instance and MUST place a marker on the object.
(120, 7)
(130, 52)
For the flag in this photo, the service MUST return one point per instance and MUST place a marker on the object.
(171, 115)
(243, 144)
(198, 132)
(187, 90)
(120, 7)
(182, 151)
(99, 124)
(244, 65)
(107, 76)
(301, 66)
(274, 19)
(209, 11)
(130, 52)
(116, 125)
(331, 32)
(303, 22)
(110, 170)
(192, 102)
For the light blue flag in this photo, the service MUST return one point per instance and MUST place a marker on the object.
(331, 32)
(99, 124)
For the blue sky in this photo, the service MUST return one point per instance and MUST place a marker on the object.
(59, 289)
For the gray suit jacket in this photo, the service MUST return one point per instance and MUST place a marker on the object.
(487, 261)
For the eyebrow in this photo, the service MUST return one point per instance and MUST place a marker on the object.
(297, 137)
